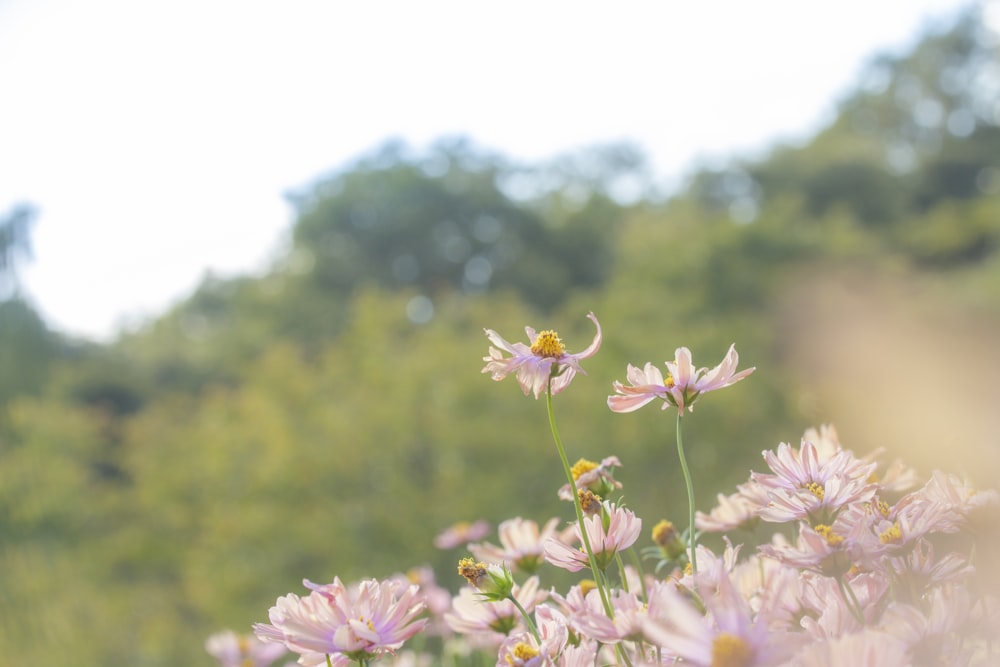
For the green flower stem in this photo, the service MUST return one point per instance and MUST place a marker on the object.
(621, 571)
(847, 592)
(328, 662)
(608, 609)
(690, 490)
(527, 619)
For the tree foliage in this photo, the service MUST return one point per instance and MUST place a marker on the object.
(445, 222)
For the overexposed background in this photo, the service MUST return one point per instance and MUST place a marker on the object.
(157, 139)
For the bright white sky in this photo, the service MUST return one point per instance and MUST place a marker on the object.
(157, 138)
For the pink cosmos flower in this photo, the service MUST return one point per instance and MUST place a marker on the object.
(238, 650)
(730, 633)
(804, 486)
(683, 385)
(575, 603)
(347, 624)
(898, 527)
(868, 648)
(521, 544)
(932, 631)
(829, 549)
(630, 613)
(738, 510)
(831, 613)
(461, 533)
(436, 597)
(959, 496)
(523, 650)
(584, 655)
(622, 531)
(896, 477)
(486, 624)
(921, 570)
(542, 360)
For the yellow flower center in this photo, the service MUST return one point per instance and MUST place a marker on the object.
(892, 535)
(243, 646)
(587, 585)
(472, 571)
(730, 651)
(668, 382)
(582, 466)
(664, 533)
(522, 652)
(883, 508)
(548, 345)
(590, 502)
(832, 538)
(816, 489)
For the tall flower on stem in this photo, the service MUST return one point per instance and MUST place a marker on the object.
(682, 387)
(543, 364)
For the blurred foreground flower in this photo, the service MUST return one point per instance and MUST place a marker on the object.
(239, 650)
(682, 386)
(543, 358)
(339, 625)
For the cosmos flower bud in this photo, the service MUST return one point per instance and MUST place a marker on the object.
(494, 583)
(666, 537)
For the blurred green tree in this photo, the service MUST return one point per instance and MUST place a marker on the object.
(457, 219)
(15, 245)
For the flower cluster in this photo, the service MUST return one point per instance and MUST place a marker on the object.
(868, 564)
(341, 624)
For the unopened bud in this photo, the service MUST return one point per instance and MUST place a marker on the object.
(666, 537)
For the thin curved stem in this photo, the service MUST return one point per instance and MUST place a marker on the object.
(637, 564)
(621, 571)
(690, 491)
(608, 609)
(527, 619)
(847, 592)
